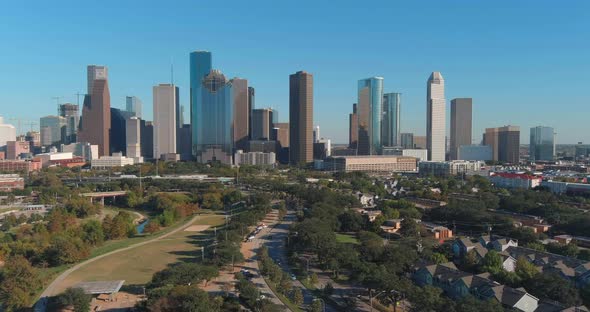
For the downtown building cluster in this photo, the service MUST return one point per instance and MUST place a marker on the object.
(225, 123)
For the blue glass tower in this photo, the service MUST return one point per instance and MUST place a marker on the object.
(542, 144)
(370, 108)
(211, 111)
(391, 119)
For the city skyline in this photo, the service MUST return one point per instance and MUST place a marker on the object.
(508, 98)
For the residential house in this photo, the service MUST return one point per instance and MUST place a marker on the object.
(462, 246)
(502, 244)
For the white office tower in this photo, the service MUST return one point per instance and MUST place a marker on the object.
(316, 134)
(165, 119)
(435, 117)
(133, 138)
(7, 132)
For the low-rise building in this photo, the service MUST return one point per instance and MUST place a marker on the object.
(515, 180)
(47, 158)
(19, 166)
(10, 182)
(566, 187)
(449, 168)
(438, 232)
(116, 160)
(255, 158)
(376, 163)
(420, 154)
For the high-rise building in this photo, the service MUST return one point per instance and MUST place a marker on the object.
(239, 88)
(34, 138)
(133, 105)
(183, 142)
(53, 130)
(461, 125)
(251, 106)
(390, 126)
(407, 140)
(300, 118)
(262, 121)
(118, 130)
(14, 149)
(7, 132)
(505, 143)
(435, 117)
(316, 134)
(95, 124)
(71, 113)
(281, 133)
(133, 137)
(353, 129)
(166, 115)
(420, 141)
(542, 143)
(370, 110)
(146, 133)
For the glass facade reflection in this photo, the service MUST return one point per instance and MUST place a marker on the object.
(391, 119)
(370, 106)
(542, 143)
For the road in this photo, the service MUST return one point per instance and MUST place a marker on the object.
(50, 290)
(277, 250)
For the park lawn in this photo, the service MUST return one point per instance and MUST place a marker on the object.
(346, 239)
(137, 265)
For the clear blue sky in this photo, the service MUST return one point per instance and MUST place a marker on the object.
(525, 63)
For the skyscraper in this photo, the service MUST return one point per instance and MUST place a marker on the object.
(435, 117)
(7, 132)
(390, 126)
(505, 143)
(241, 112)
(95, 124)
(72, 117)
(53, 130)
(166, 116)
(251, 106)
(262, 120)
(353, 129)
(407, 140)
(118, 136)
(200, 66)
(316, 134)
(542, 143)
(300, 118)
(133, 105)
(370, 110)
(461, 125)
(133, 137)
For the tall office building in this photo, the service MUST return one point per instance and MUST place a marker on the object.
(300, 118)
(166, 115)
(461, 125)
(251, 106)
(146, 134)
(407, 140)
(95, 124)
(316, 134)
(133, 105)
(505, 143)
(71, 113)
(370, 109)
(133, 137)
(241, 112)
(353, 129)
(390, 126)
(53, 130)
(119, 130)
(542, 143)
(435, 117)
(262, 121)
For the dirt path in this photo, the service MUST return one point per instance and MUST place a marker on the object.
(49, 291)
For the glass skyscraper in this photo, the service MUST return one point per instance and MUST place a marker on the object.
(542, 143)
(370, 108)
(391, 119)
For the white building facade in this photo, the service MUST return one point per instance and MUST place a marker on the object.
(254, 158)
(117, 160)
(7, 132)
(165, 119)
(436, 117)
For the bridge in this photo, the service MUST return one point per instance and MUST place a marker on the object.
(102, 195)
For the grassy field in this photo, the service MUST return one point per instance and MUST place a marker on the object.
(346, 238)
(137, 265)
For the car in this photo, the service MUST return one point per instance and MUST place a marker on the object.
(293, 277)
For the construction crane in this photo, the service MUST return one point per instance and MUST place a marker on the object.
(31, 124)
(20, 122)
(57, 98)
(78, 97)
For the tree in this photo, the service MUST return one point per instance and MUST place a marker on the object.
(552, 286)
(316, 306)
(183, 274)
(93, 233)
(313, 278)
(525, 270)
(76, 298)
(151, 227)
(64, 250)
(184, 298)
(492, 262)
(471, 304)
(19, 282)
(409, 228)
(438, 258)
(297, 296)
(427, 299)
